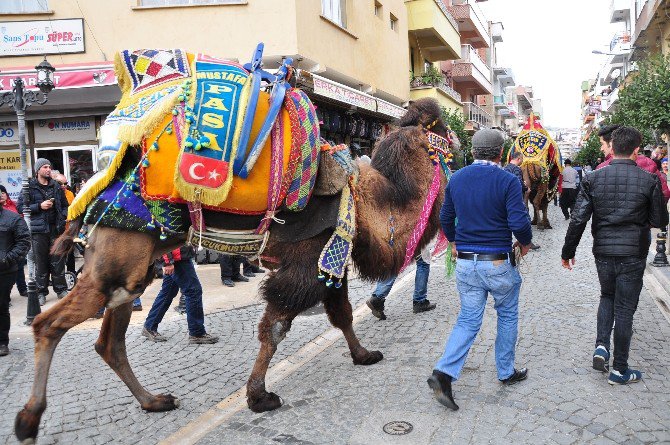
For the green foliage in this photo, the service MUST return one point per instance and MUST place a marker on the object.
(644, 103)
(432, 76)
(509, 143)
(590, 151)
(456, 121)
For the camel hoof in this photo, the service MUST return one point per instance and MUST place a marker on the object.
(368, 358)
(268, 401)
(161, 402)
(26, 426)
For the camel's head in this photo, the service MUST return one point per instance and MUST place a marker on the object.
(403, 155)
(427, 113)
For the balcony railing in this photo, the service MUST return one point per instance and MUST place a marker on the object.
(477, 17)
(470, 55)
(446, 13)
(418, 83)
(499, 101)
(474, 113)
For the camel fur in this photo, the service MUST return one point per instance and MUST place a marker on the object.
(118, 268)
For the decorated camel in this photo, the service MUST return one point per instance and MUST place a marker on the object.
(198, 151)
(541, 167)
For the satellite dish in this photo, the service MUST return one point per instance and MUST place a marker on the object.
(616, 73)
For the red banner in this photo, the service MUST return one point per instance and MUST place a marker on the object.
(65, 77)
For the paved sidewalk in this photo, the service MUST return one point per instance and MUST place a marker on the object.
(563, 401)
(329, 400)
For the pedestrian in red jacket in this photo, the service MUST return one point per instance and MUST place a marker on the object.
(643, 162)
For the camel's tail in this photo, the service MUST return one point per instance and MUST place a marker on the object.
(65, 243)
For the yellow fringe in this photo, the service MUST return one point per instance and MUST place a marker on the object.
(91, 191)
(133, 134)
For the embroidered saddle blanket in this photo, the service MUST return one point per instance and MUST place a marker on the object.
(185, 111)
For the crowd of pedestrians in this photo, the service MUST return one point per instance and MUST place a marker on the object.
(485, 219)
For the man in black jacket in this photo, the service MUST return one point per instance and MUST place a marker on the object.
(48, 208)
(624, 201)
(14, 245)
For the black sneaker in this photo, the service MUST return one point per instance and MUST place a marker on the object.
(137, 308)
(517, 376)
(240, 278)
(440, 383)
(180, 309)
(227, 282)
(256, 269)
(249, 274)
(376, 305)
(4, 350)
(423, 306)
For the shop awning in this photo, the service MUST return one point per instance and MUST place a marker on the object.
(346, 95)
(81, 89)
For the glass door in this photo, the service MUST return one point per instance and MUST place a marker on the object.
(79, 161)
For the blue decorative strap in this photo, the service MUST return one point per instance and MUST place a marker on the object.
(276, 102)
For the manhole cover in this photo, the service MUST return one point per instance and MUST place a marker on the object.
(398, 428)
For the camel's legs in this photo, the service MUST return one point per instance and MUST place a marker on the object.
(272, 329)
(340, 315)
(49, 327)
(111, 346)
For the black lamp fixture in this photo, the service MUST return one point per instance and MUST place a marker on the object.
(45, 76)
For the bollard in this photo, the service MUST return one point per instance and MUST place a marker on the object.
(661, 259)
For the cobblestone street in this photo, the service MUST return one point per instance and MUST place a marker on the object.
(329, 400)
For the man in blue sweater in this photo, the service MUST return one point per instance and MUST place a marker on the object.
(489, 207)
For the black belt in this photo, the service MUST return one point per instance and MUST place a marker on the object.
(485, 256)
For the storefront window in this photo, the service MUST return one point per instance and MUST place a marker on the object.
(80, 163)
(19, 6)
(75, 162)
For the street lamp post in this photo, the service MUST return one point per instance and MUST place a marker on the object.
(19, 99)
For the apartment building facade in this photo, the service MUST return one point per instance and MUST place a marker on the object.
(644, 31)
(353, 56)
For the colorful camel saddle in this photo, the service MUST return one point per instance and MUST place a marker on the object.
(537, 145)
(209, 134)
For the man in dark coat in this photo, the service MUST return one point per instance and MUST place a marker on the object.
(14, 245)
(48, 207)
(625, 201)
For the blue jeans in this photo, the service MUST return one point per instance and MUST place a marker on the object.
(475, 280)
(185, 279)
(420, 283)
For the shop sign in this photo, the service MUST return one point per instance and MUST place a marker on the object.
(39, 37)
(64, 130)
(9, 133)
(342, 93)
(389, 109)
(75, 77)
(10, 172)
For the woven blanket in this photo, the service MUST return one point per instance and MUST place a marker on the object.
(158, 113)
(121, 206)
(537, 146)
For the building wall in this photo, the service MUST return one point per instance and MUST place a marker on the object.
(368, 51)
